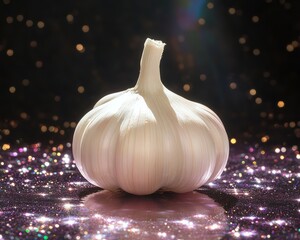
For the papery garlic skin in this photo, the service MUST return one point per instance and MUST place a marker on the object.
(148, 138)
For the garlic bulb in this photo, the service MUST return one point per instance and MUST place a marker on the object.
(148, 138)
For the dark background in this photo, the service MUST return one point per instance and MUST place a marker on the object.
(221, 49)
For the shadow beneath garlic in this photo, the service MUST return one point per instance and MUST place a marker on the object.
(227, 201)
(190, 215)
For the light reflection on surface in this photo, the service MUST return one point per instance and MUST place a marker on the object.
(256, 197)
(172, 216)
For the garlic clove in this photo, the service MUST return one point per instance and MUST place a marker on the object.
(195, 142)
(98, 131)
(108, 98)
(215, 128)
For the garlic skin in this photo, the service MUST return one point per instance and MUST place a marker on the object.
(148, 138)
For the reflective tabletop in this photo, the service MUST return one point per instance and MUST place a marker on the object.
(43, 196)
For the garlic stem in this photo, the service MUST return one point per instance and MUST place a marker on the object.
(149, 78)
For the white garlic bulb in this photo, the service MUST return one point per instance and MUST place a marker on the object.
(148, 138)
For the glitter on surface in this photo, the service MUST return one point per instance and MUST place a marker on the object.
(43, 196)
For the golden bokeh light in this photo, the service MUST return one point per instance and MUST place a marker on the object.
(85, 28)
(186, 87)
(252, 92)
(280, 104)
(80, 48)
(232, 11)
(258, 100)
(80, 89)
(210, 5)
(10, 52)
(12, 89)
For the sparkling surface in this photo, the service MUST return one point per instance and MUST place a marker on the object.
(43, 196)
